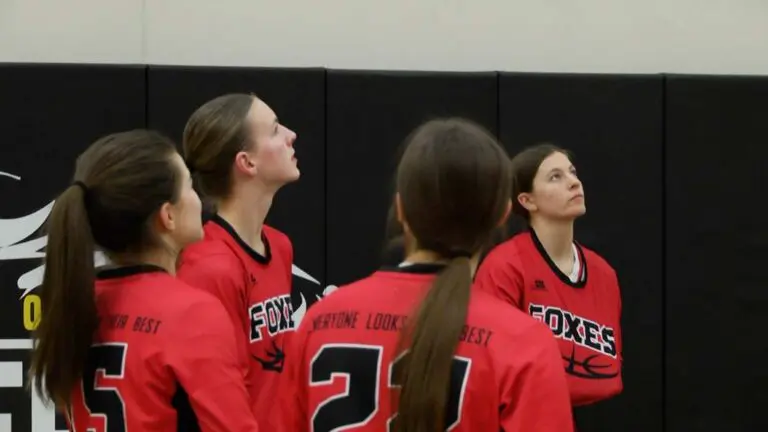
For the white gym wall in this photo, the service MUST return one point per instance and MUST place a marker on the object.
(619, 36)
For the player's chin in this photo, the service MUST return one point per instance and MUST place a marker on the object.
(576, 211)
(293, 174)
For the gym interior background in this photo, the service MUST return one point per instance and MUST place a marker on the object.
(664, 108)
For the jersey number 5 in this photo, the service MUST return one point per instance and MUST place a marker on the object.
(358, 405)
(100, 400)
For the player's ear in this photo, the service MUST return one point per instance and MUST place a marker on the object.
(166, 217)
(244, 163)
(401, 215)
(526, 200)
(399, 209)
(507, 212)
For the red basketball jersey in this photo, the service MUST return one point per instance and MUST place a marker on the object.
(163, 359)
(583, 315)
(506, 372)
(256, 292)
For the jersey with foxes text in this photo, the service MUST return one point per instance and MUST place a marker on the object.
(584, 315)
(256, 292)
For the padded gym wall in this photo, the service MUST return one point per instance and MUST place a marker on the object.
(369, 116)
(613, 126)
(298, 98)
(716, 254)
(50, 113)
(705, 228)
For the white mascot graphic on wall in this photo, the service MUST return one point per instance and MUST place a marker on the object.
(16, 244)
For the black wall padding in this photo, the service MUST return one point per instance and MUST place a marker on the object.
(50, 113)
(613, 125)
(673, 167)
(717, 251)
(369, 115)
(298, 98)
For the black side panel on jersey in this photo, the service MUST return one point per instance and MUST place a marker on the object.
(613, 125)
(369, 115)
(50, 114)
(297, 96)
(186, 419)
(717, 250)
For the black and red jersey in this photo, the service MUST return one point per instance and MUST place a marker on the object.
(583, 313)
(255, 290)
(506, 374)
(163, 359)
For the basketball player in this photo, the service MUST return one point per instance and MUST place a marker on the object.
(242, 156)
(546, 274)
(410, 348)
(131, 347)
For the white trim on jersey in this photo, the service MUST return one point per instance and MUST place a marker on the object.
(576, 272)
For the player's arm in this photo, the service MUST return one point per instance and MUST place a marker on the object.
(501, 277)
(203, 355)
(292, 398)
(535, 393)
(221, 276)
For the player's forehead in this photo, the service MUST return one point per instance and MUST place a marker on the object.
(178, 163)
(555, 161)
(261, 115)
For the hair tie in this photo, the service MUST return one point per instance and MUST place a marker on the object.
(81, 185)
(458, 254)
(447, 252)
(190, 167)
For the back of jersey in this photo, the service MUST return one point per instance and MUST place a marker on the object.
(506, 372)
(161, 349)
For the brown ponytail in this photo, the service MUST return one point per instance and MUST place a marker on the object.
(69, 315)
(434, 334)
(453, 189)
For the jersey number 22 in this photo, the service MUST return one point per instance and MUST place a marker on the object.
(361, 365)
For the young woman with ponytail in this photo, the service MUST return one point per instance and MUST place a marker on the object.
(411, 348)
(241, 156)
(545, 272)
(130, 347)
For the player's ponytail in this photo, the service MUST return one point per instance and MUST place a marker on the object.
(123, 180)
(434, 333)
(453, 185)
(69, 315)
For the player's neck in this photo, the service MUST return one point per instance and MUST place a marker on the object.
(556, 237)
(246, 214)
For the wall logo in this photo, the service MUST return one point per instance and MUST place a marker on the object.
(19, 242)
(308, 297)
